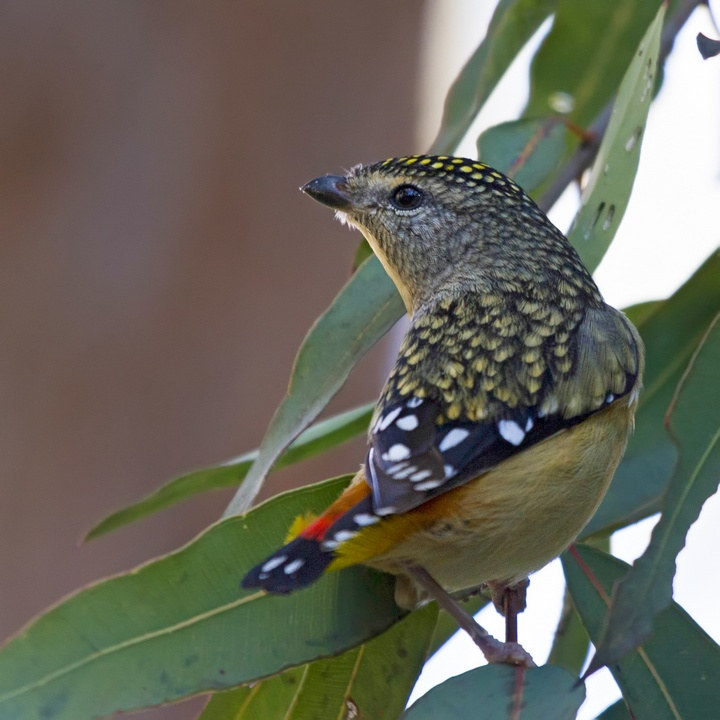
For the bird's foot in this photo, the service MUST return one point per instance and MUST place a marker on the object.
(493, 650)
(505, 652)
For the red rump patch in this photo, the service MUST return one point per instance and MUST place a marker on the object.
(316, 530)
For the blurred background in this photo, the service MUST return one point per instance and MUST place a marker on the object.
(160, 267)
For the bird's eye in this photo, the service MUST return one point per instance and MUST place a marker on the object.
(407, 197)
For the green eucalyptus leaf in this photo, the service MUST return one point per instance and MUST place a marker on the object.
(267, 699)
(527, 150)
(494, 692)
(607, 193)
(316, 439)
(674, 673)
(578, 67)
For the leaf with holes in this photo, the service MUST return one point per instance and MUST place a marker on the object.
(607, 193)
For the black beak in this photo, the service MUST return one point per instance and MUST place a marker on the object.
(329, 190)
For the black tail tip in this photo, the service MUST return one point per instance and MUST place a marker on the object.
(291, 568)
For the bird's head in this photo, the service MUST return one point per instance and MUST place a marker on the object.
(438, 222)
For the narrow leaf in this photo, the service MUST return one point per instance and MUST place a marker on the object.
(673, 675)
(494, 692)
(512, 25)
(671, 334)
(527, 150)
(695, 425)
(316, 439)
(181, 625)
(365, 309)
(607, 193)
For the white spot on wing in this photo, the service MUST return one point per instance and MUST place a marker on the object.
(293, 566)
(397, 452)
(365, 519)
(396, 468)
(385, 420)
(329, 544)
(407, 423)
(529, 425)
(273, 562)
(449, 471)
(453, 438)
(422, 475)
(414, 402)
(511, 431)
(428, 485)
(343, 535)
(402, 474)
(387, 510)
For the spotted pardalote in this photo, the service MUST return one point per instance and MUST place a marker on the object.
(509, 406)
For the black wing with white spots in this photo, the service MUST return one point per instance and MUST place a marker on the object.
(406, 467)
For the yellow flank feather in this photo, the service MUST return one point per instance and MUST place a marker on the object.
(299, 524)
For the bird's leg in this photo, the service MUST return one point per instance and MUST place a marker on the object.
(493, 650)
(509, 600)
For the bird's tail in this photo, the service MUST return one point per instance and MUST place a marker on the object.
(305, 558)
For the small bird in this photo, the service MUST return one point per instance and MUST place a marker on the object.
(508, 408)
